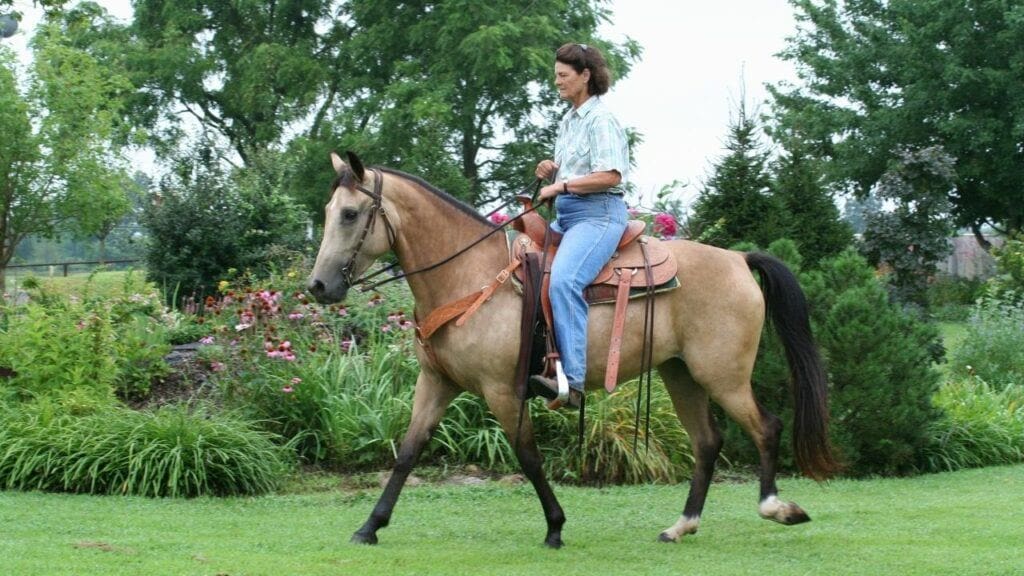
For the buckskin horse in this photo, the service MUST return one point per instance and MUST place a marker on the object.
(706, 337)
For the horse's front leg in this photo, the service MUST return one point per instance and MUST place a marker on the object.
(431, 399)
(506, 407)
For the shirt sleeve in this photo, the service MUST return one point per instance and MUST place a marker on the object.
(608, 147)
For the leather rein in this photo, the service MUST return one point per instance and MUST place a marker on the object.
(378, 197)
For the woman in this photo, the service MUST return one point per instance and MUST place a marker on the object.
(589, 173)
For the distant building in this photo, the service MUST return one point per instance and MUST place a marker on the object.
(968, 259)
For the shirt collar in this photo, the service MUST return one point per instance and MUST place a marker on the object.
(584, 110)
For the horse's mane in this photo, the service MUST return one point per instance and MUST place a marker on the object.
(453, 201)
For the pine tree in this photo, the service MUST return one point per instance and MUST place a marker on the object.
(815, 224)
(736, 204)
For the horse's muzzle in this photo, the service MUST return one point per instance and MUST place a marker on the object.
(323, 295)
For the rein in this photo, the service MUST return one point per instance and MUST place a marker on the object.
(365, 286)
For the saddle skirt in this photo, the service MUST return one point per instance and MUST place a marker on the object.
(629, 256)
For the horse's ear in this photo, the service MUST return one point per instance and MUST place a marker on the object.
(356, 164)
(337, 162)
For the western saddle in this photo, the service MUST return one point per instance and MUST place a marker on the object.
(641, 265)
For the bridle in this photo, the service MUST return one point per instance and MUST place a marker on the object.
(377, 196)
(371, 222)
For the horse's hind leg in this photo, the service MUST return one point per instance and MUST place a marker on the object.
(506, 407)
(429, 403)
(765, 429)
(694, 411)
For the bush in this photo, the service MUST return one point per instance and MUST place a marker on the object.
(206, 223)
(171, 452)
(101, 344)
(951, 298)
(981, 426)
(1009, 280)
(880, 365)
(993, 346)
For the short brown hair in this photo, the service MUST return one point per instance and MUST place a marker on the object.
(586, 57)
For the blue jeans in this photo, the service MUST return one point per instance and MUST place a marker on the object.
(592, 226)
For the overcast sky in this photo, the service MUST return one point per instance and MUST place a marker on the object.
(697, 54)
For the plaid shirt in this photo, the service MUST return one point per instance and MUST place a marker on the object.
(591, 140)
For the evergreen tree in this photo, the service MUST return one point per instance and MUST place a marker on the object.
(814, 219)
(736, 203)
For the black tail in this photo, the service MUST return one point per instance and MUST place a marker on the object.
(787, 308)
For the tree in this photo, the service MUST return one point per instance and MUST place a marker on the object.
(814, 222)
(459, 91)
(878, 77)
(913, 235)
(736, 204)
(56, 157)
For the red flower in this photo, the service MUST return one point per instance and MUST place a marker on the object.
(665, 225)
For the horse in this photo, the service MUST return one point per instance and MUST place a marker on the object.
(706, 337)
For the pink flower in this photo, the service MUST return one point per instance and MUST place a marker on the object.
(405, 325)
(633, 212)
(385, 328)
(296, 316)
(217, 366)
(296, 381)
(345, 345)
(499, 218)
(342, 311)
(665, 225)
(287, 389)
(206, 340)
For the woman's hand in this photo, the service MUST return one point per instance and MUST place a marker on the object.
(550, 191)
(546, 169)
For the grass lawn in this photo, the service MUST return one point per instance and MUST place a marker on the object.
(958, 523)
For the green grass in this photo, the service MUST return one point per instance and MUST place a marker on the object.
(958, 523)
(106, 282)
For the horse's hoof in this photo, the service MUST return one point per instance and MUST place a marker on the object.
(796, 516)
(553, 542)
(664, 537)
(368, 539)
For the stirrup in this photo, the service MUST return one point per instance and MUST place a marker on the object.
(563, 383)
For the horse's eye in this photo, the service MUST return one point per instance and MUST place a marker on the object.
(349, 215)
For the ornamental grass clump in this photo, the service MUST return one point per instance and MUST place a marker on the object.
(993, 346)
(174, 451)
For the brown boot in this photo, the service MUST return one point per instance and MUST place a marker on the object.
(548, 388)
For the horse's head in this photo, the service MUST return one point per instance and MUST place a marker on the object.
(356, 230)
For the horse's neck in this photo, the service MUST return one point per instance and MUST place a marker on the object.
(433, 231)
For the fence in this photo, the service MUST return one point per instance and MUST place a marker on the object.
(68, 267)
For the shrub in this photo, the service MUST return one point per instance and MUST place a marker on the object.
(171, 452)
(880, 366)
(1009, 280)
(993, 346)
(104, 343)
(981, 426)
(952, 297)
(206, 223)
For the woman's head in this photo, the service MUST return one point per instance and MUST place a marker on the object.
(584, 58)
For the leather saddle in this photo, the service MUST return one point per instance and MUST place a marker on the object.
(629, 256)
(641, 265)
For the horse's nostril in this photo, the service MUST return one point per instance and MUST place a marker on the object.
(316, 287)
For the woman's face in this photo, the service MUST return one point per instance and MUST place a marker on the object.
(572, 85)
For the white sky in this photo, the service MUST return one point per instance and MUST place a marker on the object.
(697, 54)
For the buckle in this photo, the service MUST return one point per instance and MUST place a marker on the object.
(502, 276)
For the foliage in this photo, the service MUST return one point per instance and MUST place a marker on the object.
(952, 297)
(661, 452)
(981, 425)
(170, 452)
(993, 346)
(736, 203)
(92, 346)
(205, 223)
(913, 236)
(814, 222)
(1009, 279)
(880, 366)
(57, 147)
(878, 77)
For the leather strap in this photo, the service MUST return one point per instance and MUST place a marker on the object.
(464, 307)
(615, 348)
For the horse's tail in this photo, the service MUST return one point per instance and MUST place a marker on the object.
(787, 307)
